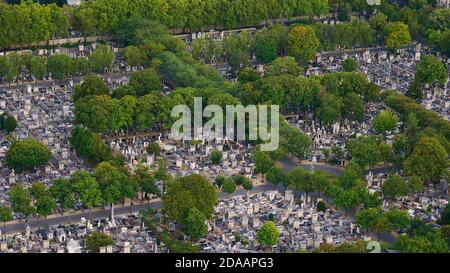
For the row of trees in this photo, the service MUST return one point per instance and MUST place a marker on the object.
(108, 184)
(59, 66)
(301, 41)
(283, 86)
(105, 16)
(31, 22)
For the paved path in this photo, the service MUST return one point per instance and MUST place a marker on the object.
(46, 83)
(58, 219)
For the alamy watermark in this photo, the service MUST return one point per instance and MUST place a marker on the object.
(373, 2)
(235, 126)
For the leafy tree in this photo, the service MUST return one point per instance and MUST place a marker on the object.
(87, 189)
(92, 85)
(194, 225)
(378, 22)
(27, 154)
(301, 180)
(20, 199)
(122, 91)
(283, 65)
(415, 91)
(398, 218)
(371, 92)
(113, 183)
(154, 148)
(145, 81)
(445, 216)
(415, 184)
(45, 205)
(385, 121)
(321, 207)
(96, 240)
(6, 214)
(60, 66)
(236, 49)
(350, 65)
(268, 234)
(145, 180)
(430, 243)
(276, 175)
(365, 151)
(428, 160)
(188, 192)
(354, 107)
(266, 47)
(102, 58)
(229, 186)
(220, 180)
(349, 179)
(62, 190)
(394, 187)
(370, 200)
(248, 74)
(263, 162)
(10, 66)
(135, 56)
(382, 225)
(397, 35)
(444, 42)
(431, 69)
(247, 184)
(302, 43)
(347, 199)
(329, 110)
(215, 157)
(294, 141)
(82, 65)
(386, 152)
(37, 67)
(89, 145)
(94, 112)
(368, 218)
(9, 124)
(239, 179)
(445, 230)
(38, 190)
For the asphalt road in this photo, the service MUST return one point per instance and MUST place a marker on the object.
(105, 213)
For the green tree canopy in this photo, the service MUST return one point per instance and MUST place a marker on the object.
(27, 154)
(96, 239)
(428, 160)
(229, 186)
(92, 85)
(431, 69)
(385, 121)
(350, 65)
(394, 187)
(195, 224)
(188, 192)
(102, 58)
(268, 234)
(302, 43)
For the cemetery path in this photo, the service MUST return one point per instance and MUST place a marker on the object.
(58, 219)
(290, 162)
(43, 83)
